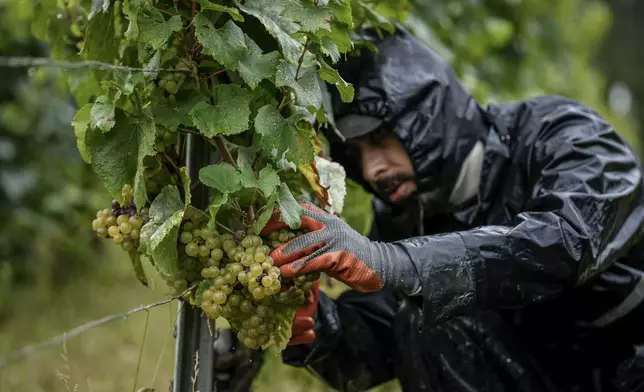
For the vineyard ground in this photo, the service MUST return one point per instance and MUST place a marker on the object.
(105, 359)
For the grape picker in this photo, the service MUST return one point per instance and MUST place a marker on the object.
(507, 249)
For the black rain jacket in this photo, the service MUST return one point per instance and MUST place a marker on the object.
(535, 285)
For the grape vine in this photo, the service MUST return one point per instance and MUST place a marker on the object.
(247, 78)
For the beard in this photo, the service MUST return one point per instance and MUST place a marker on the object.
(384, 186)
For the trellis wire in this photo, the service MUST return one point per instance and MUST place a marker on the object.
(30, 62)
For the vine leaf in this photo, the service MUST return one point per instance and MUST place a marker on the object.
(185, 180)
(330, 49)
(283, 324)
(228, 116)
(154, 30)
(339, 35)
(342, 11)
(233, 12)
(217, 202)
(269, 13)
(131, 9)
(268, 180)
(159, 236)
(80, 123)
(281, 138)
(290, 210)
(311, 17)
(331, 76)
(248, 179)
(226, 45)
(307, 88)
(102, 114)
(98, 6)
(117, 156)
(101, 43)
(255, 66)
(171, 116)
(222, 176)
(258, 225)
(135, 257)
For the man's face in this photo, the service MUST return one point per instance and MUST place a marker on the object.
(385, 165)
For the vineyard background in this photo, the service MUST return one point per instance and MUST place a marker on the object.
(54, 274)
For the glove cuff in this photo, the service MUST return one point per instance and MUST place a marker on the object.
(395, 267)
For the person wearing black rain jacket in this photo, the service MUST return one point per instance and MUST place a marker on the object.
(507, 257)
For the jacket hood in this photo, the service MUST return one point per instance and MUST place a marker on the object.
(418, 97)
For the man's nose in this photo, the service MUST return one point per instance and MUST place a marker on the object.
(373, 166)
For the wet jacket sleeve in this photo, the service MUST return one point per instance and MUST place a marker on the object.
(354, 345)
(583, 185)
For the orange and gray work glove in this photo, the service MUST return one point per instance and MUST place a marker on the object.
(304, 322)
(333, 247)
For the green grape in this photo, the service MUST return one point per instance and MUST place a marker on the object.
(110, 221)
(127, 245)
(125, 227)
(185, 237)
(258, 293)
(234, 299)
(260, 257)
(136, 222)
(263, 249)
(230, 277)
(247, 242)
(247, 260)
(227, 236)
(250, 251)
(240, 336)
(267, 281)
(213, 311)
(250, 342)
(255, 320)
(274, 235)
(219, 282)
(246, 306)
(227, 289)
(188, 226)
(135, 234)
(212, 262)
(196, 233)
(219, 297)
(266, 266)
(299, 280)
(238, 256)
(216, 254)
(101, 232)
(252, 283)
(307, 286)
(235, 268)
(252, 332)
(204, 251)
(256, 270)
(192, 249)
(113, 231)
(227, 311)
(229, 245)
(262, 329)
(98, 223)
(207, 233)
(242, 277)
(283, 237)
(180, 284)
(274, 271)
(276, 288)
(256, 240)
(213, 242)
(122, 219)
(207, 295)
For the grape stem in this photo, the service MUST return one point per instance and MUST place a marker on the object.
(299, 62)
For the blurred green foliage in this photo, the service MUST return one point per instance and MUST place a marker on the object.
(514, 49)
(47, 194)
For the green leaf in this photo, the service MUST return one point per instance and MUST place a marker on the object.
(228, 116)
(131, 9)
(283, 327)
(310, 17)
(339, 35)
(80, 123)
(290, 210)
(342, 11)
(258, 225)
(98, 6)
(171, 116)
(233, 12)
(307, 88)
(217, 202)
(330, 49)
(255, 66)
(185, 180)
(268, 180)
(159, 236)
(101, 43)
(102, 114)
(226, 45)
(155, 32)
(135, 257)
(331, 76)
(248, 179)
(203, 286)
(222, 176)
(281, 137)
(269, 13)
(117, 156)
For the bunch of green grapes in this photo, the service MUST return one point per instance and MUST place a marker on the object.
(171, 81)
(121, 223)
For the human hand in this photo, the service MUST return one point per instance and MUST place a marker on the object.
(304, 321)
(333, 247)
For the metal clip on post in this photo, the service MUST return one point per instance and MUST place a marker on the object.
(193, 336)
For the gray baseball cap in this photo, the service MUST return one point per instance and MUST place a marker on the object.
(356, 125)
